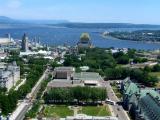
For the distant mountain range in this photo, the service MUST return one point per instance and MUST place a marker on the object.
(7, 20)
(65, 23)
(107, 25)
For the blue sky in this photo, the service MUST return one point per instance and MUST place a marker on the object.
(126, 11)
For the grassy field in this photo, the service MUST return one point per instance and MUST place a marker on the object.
(157, 74)
(95, 110)
(116, 91)
(57, 111)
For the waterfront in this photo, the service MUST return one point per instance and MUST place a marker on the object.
(70, 36)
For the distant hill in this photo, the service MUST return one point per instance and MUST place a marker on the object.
(7, 20)
(47, 21)
(107, 25)
(64, 23)
(4, 18)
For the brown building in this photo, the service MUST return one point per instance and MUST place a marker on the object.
(64, 72)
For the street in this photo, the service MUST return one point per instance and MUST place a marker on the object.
(116, 110)
(24, 106)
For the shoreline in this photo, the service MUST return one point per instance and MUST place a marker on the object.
(148, 42)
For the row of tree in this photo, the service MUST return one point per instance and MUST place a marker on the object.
(78, 94)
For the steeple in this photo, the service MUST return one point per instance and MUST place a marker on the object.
(24, 43)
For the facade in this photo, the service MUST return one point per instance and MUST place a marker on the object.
(3, 54)
(24, 43)
(67, 77)
(9, 75)
(142, 103)
(64, 72)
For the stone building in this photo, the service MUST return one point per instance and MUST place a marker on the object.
(142, 103)
(9, 75)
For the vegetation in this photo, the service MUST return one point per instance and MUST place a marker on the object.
(33, 112)
(95, 110)
(156, 68)
(116, 90)
(36, 106)
(61, 111)
(80, 94)
(57, 111)
(111, 65)
(8, 102)
(116, 73)
(139, 60)
(139, 35)
(121, 58)
(144, 77)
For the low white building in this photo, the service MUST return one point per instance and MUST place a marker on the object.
(3, 54)
(6, 41)
(9, 75)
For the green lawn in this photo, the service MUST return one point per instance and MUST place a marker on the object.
(116, 91)
(155, 74)
(57, 111)
(95, 110)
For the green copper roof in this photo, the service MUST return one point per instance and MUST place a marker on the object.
(152, 92)
(85, 37)
(132, 89)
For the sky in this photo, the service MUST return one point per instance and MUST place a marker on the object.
(106, 11)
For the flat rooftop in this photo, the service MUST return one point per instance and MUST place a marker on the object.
(58, 83)
(87, 76)
(64, 69)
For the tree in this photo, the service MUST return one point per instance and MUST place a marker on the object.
(139, 60)
(123, 59)
(156, 68)
(131, 53)
(67, 95)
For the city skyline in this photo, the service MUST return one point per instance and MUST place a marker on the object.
(106, 11)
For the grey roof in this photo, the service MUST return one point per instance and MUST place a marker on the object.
(64, 69)
(63, 83)
(150, 107)
(87, 76)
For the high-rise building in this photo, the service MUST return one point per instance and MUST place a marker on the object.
(24, 43)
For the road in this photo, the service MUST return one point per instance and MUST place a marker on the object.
(24, 106)
(117, 110)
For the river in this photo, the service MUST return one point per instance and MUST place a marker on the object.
(70, 36)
